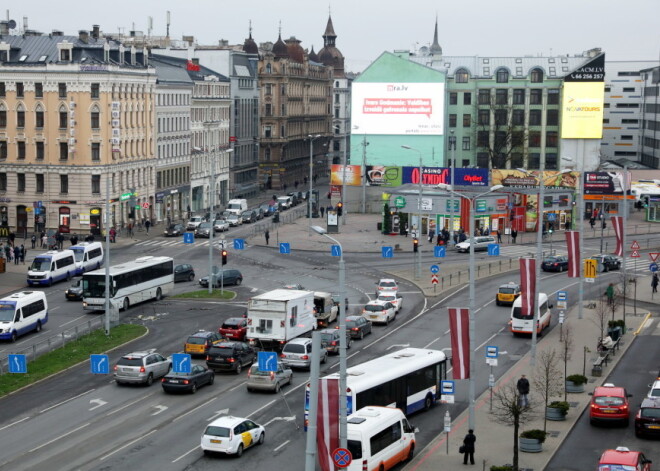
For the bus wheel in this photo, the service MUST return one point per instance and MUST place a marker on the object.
(159, 294)
(411, 452)
(38, 327)
(428, 403)
(127, 304)
(68, 276)
(14, 336)
(50, 282)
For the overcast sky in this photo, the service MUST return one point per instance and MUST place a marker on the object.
(624, 29)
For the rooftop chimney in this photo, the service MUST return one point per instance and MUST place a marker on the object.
(57, 32)
(96, 29)
(4, 27)
(83, 36)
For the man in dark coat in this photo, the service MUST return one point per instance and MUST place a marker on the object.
(523, 390)
(468, 444)
(514, 234)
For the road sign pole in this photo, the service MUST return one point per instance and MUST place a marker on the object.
(310, 449)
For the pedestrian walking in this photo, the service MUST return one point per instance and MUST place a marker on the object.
(406, 230)
(74, 239)
(514, 234)
(10, 255)
(147, 225)
(468, 447)
(609, 292)
(44, 241)
(523, 390)
(499, 236)
(267, 236)
(33, 239)
(654, 282)
(130, 230)
(113, 235)
(322, 210)
(12, 236)
(23, 253)
(431, 235)
(567, 225)
(17, 255)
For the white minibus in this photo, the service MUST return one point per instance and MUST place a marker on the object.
(51, 266)
(21, 313)
(379, 438)
(519, 324)
(88, 256)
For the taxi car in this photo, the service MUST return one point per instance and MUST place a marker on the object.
(622, 459)
(609, 403)
(200, 342)
(231, 435)
(507, 294)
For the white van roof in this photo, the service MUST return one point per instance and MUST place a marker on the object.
(518, 301)
(373, 417)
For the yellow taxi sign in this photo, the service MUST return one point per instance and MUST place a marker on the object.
(590, 268)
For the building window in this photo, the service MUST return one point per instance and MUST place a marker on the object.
(3, 118)
(20, 150)
(96, 151)
(518, 117)
(626, 138)
(20, 118)
(552, 118)
(466, 143)
(64, 151)
(467, 98)
(462, 76)
(484, 97)
(267, 154)
(519, 96)
(41, 151)
(452, 120)
(534, 117)
(3, 150)
(95, 120)
(65, 55)
(500, 117)
(453, 98)
(536, 76)
(551, 161)
(61, 90)
(96, 91)
(39, 118)
(3, 182)
(269, 69)
(3, 90)
(502, 76)
(467, 120)
(268, 131)
(551, 138)
(282, 131)
(553, 96)
(482, 139)
(484, 117)
(40, 182)
(517, 160)
(268, 89)
(64, 184)
(39, 90)
(20, 182)
(501, 96)
(269, 109)
(63, 119)
(482, 159)
(534, 161)
(534, 139)
(20, 90)
(535, 96)
(96, 184)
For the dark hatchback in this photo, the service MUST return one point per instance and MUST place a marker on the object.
(647, 420)
(75, 291)
(184, 272)
(357, 327)
(558, 263)
(234, 328)
(187, 382)
(229, 277)
(174, 230)
(230, 356)
(330, 340)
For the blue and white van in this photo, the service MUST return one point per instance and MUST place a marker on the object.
(50, 267)
(21, 313)
(88, 256)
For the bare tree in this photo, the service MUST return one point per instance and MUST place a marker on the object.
(565, 352)
(508, 410)
(616, 301)
(600, 314)
(547, 379)
(500, 130)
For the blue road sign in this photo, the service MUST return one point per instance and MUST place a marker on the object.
(181, 363)
(434, 269)
(439, 251)
(17, 363)
(285, 248)
(267, 361)
(447, 387)
(99, 364)
(552, 216)
(40, 204)
(492, 351)
(494, 250)
(562, 295)
(388, 252)
(342, 457)
(188, 238)
(335, 250)
(239, 244)
(653, 267)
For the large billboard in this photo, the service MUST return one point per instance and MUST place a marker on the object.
(583, 101)
(518, 179)
(603, 183)
(408, 109)
(351, 177)
(393, 176)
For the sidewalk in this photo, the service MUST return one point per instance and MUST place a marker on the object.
(494, 440)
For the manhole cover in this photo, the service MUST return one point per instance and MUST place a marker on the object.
(592, 380)
(573, 404)
(553, 433)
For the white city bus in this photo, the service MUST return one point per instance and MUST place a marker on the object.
(132, 282)
(409, 379)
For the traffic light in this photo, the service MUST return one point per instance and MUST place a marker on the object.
(340, 205)
(224, 257)
(415, 245)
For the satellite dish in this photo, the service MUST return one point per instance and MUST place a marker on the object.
(11, 24)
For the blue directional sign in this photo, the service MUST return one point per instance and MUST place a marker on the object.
(447, 387)
(653, 267)
(439, 251)
(181, 363)
(494, 250)
(492, 351)
(285, 248)
(267, 361)
(188, 238)
(434, 269)
(551, 216)
(100, 365)
(239, 244)
(335, 250)
(17, 363)
(388, 252)
(562, 295)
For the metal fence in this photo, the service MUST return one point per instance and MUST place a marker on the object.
(48, 344)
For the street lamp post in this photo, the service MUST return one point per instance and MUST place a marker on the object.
(343, 434)
(343, 175)
(311, 168)
(212, 218)
(452, 143)
(364, 172)
(472, 333)
(418, 268)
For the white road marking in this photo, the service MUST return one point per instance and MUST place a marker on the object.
(285, 419)
(127, 445)
(127, 405)
(489, 339)
(432, 342)
(238, 385)
(59, 437)
(217, 414)
(186, 454)
(14, 423)
(64, 402)
(73, 320)
(99, 403)
(160, 409)
(282, 445)
(54, 308)
(193, 410)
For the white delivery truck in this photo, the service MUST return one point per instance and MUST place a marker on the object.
(280, 315)
(325, 308)
(237, 206)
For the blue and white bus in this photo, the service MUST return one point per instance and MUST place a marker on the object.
(133, 282)
(409, 379)
(21, 313)
(88, 256)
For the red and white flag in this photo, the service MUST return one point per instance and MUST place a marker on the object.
(617, 222)
(574, 259)
(527, 285)
(327, 431)
(459, 326)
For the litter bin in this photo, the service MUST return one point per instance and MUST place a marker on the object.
(614, 332)
(276, 217)
(2, 265)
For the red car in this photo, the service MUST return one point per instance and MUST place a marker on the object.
(234, 328)
(609, 403)
(623, 459)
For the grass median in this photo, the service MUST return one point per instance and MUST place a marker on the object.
(72, 353)
(204, 294)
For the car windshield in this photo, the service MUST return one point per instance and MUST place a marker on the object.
(196, 341)
(234, 206)
(205, 225)
(387, 297)
(294, 348)
(233, 216)
(374, 308)
(216, 431)
(327, 337)
(254, 371)
(130, 361)
(351, 324)
(7, 312)
(616, 467)
(231, 323)
(173, 227)
(355, 447)
(655, 392)
(196, 219)
(608, 401)
(94, 286)
(387, 284)
(222, 351)
(78, 253)
(219, 222)
(551, 260)
(40, 264)
(517, 314)
(507, 291)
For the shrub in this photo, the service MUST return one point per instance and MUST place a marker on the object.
(577, 379)
(562, 405)
(534, 433)
(506, 467)
(616, 323)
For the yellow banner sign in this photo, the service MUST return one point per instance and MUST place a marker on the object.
(590, 268)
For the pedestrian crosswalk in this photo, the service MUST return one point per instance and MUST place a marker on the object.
(174, 243)
(514, 251)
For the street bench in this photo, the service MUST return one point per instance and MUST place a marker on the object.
(603, 357)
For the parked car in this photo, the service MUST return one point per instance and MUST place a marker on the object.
(267, 209)
(330, 340)
(220, 225)
(556, 263)
(507, 293)
(295, 200)
(193, 222)
(297, 353)
(230, 356)
(609, 403)
(204, 230)
(234, 328)
(141, 367)
(386, 284)
(378, 311)
(184, 272)
(200, 342)
(187, 382)
(357, 326)
(174, 230)
(231, 435)
(269, 380)
(259, 212)
(654, 391)
(608, 262)
(480, 243)
(248, 216)
(74, 292)
(623, 459)
(392, 297)
(222, 215)
(647, 419)
(229, 276)
(284, 202)
(234, 220)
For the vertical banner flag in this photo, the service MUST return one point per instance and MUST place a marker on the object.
(327, 431)
(617, 222)
(459, 325)
(527, 285)
(573, 244)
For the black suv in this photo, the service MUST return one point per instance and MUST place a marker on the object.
(230, 356)
(647, 420)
